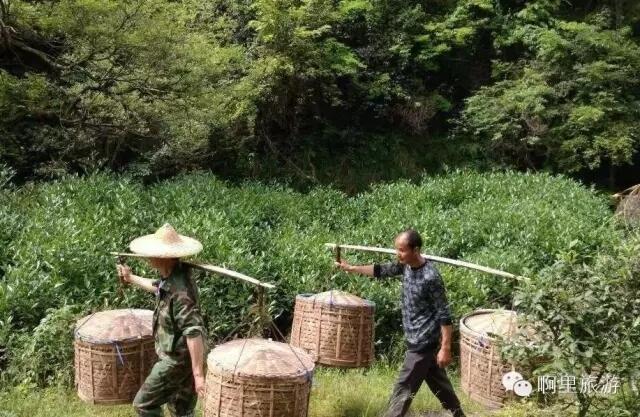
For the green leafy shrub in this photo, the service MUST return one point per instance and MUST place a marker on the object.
(518, 222)
(587, 317)
(44, 355)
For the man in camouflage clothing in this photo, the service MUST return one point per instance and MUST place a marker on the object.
(178, 376)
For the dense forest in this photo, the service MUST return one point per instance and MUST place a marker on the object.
(318, 91)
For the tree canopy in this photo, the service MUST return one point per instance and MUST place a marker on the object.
(317, 90)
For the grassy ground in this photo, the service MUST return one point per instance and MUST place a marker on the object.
(335, 393)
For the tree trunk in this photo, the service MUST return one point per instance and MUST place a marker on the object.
(612, 176)
(619, 10)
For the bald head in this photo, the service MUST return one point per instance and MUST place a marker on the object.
(408, 244)
(411, 238)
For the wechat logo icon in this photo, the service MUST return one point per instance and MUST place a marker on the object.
(513, 381)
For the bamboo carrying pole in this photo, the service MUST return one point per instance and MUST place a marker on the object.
(455, 262)
(211, 268)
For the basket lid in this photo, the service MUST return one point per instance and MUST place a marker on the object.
(490, 322)
(261, 358)
(338, 298)
(115, 325)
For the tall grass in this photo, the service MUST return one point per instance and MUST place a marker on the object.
(335, 393)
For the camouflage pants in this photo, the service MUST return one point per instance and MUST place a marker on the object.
(170, 382)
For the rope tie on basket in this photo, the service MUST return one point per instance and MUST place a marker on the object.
(119, 353)
(511, 319)
(330, 279)
(307, 372)
(233, 375)
(75, 333)
(260, 310)
(232, 332)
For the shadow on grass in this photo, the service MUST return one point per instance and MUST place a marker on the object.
(356, 407)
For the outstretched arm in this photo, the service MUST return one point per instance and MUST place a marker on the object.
(357, 269)
(124, 272)
(374, 270)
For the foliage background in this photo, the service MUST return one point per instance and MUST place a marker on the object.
(57, 236)
(269, 127)
(320, 91)
(581, 263)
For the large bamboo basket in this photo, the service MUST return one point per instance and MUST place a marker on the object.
(257, 378)
(481, 366)
(336, 328)
(629, 203)
(114, 353)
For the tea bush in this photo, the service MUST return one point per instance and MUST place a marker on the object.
(44, 355)
(588, 315)
(57, 237)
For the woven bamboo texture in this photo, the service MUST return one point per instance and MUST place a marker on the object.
(257, 378)
(481, 366)
(629, 203)
(114, 353)
(335, 328)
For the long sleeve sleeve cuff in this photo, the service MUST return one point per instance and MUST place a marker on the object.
(446, 321)
(193, 331)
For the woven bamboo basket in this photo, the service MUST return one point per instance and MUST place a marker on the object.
(629, 203)
(257, 378)
(336, 328)
(481, 366)
(114, 353)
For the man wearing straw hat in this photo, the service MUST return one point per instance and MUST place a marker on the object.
(426, 320)
(178, 376)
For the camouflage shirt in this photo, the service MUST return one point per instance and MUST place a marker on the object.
(177, 314)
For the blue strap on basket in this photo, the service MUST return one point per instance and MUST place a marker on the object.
(119, 353)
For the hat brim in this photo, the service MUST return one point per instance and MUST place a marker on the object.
(151, 247)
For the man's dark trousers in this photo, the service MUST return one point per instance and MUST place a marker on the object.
(419, 367)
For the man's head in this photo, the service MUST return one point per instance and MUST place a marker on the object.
(408, 245)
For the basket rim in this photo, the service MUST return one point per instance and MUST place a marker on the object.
(468, 329)
(101, 342)
(310, 297)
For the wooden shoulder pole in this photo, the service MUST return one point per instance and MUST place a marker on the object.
(210, 268)
(441, 259)
(229, 273)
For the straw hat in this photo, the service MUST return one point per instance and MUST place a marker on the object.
(165, 243)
